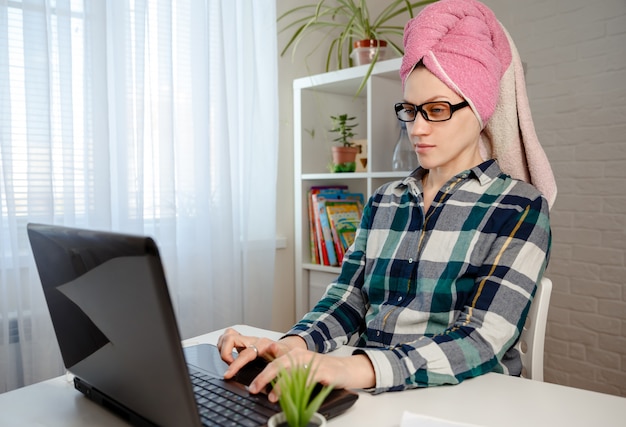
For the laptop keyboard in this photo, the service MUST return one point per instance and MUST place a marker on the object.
(223, 404)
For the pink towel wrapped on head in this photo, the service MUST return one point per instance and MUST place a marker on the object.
(465, 46)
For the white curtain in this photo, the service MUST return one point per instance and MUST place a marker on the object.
(153, 117)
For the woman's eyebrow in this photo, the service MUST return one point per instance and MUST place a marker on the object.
(434, 98)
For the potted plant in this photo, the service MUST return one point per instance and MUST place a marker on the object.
(344, 154)
(297, 400)
(347, 25)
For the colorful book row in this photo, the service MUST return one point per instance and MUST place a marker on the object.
(334, 216)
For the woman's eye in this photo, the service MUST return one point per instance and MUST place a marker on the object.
(438, 110)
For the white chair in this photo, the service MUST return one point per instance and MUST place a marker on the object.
(533, 335)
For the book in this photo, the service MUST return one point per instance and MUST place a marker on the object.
(325, 238)
(344, 217)
(315, 244)
(326, 245)
(346, 195)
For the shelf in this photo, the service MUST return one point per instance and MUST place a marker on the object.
(322, 268)
(353, 175)
(315, 99)
(334, 176)
(348, 80)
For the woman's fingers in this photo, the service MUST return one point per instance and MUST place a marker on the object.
(287, 361)
(245, 356)
(278, 353)
(227, 342)
(342, 372)
(248, 349)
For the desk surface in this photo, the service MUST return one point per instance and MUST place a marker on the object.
(488, 400)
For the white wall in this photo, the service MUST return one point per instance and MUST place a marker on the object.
(288, 70)
(576, 57)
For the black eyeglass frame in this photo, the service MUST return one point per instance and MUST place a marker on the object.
(420, 109)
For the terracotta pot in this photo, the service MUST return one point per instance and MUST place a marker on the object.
(344, 158)
(369, 43)
(365, 50)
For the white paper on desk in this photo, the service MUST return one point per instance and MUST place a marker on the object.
(410, 419)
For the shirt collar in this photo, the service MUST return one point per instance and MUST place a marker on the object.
(484, 173)
(487, 171)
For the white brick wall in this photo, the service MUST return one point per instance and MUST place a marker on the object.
(576, 56)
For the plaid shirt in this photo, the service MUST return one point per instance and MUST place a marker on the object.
(434, 299)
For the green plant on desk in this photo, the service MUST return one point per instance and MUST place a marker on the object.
(296, 394)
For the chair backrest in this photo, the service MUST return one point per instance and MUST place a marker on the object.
(530, 344)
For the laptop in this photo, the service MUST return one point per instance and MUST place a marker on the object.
(110, 307)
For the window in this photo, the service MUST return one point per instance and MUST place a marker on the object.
(128, 124)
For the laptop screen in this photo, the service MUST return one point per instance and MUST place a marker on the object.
(112, 314)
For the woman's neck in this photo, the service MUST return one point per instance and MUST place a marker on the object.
(438, 176)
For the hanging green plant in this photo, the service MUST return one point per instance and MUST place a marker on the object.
(344, 22)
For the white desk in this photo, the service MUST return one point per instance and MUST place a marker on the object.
(489, 400)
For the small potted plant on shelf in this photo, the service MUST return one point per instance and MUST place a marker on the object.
(344, 154)
(349, 28)
(297, 399)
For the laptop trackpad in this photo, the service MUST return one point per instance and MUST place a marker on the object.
(207, 358)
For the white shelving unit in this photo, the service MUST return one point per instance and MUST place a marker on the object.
(316, 98)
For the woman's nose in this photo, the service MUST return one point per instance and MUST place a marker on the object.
(419, 126)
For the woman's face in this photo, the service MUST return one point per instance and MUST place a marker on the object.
(450, 146)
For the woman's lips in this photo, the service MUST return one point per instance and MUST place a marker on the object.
(423, 148)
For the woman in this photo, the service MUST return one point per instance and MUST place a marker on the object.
(438, 282)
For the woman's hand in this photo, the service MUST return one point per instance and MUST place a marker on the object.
(249, 348)
(342, 372)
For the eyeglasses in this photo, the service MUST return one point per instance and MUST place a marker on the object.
(438, 111)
